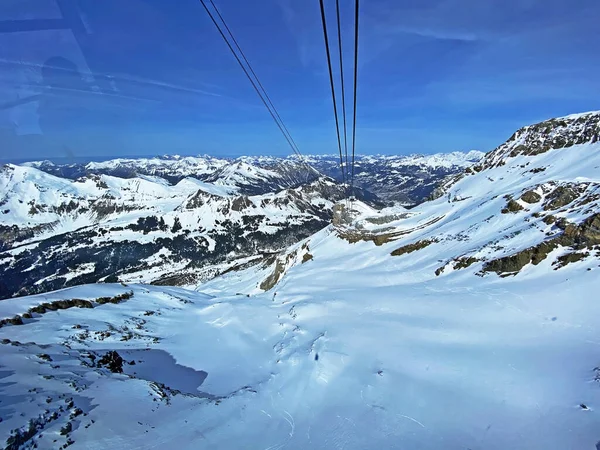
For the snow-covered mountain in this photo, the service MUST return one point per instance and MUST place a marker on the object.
(467, 322)
(105, 221)
(56, 233)
(171, 168)
(408, 180)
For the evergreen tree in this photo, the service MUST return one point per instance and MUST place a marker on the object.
(176, 225)
(161, 224)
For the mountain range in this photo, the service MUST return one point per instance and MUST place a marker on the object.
(407, 180)
(178, 220)
(465, 322)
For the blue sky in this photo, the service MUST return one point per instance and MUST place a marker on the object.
(154, 77)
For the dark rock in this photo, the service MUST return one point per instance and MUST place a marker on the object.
(561, 196)
(531, 197)
(17, 320)
(570, 258)
(176, 225)
(463, 263)
(514, 263)
(112, 361)
(538, 170)
(39, 309)
(413, 247)
(240, 203)
(584, 235)
(562, 223)
(116, 299)
(512, 207)
(66, 429)
(270, 282)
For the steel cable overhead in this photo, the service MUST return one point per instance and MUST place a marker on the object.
(339, 29)
(356, 15)
(256, 84)
(235, 42)
(335, 110)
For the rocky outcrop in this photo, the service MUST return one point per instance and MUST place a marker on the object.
(112, 361)
(533, 140)
(512, 207)
(198, 199)
(550, 134)
(561, 196)
(240, 203)
(514, 263)
(569, 258)
(531, 197)
(578, 237)
(458, 263)
(413, 247)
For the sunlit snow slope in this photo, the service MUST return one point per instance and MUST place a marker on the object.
(469, 322)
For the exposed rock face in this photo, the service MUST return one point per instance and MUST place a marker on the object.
(584, 235)
(531, 197)
(112, 361)
(561, 196)
(562, 261)
(240, 203)
(578, 237)
(514, 263)
(458, 263)
(413, 247)
(269, 282)
(512, 207)
(200, 198)
(551, 134)
(533, 140)
(340, 215)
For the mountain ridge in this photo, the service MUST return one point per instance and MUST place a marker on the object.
(480, 302)
(412, 178)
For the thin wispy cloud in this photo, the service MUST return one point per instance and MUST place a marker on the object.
(434, 75)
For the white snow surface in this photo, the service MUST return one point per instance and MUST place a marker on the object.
(578, 115)
(353, 349)
(23, 188)
(437, 160)
(185, 164)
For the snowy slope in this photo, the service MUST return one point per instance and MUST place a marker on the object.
(57, 233)
(174, 164)
(30, 197)
(438, 160)
(401, 331)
